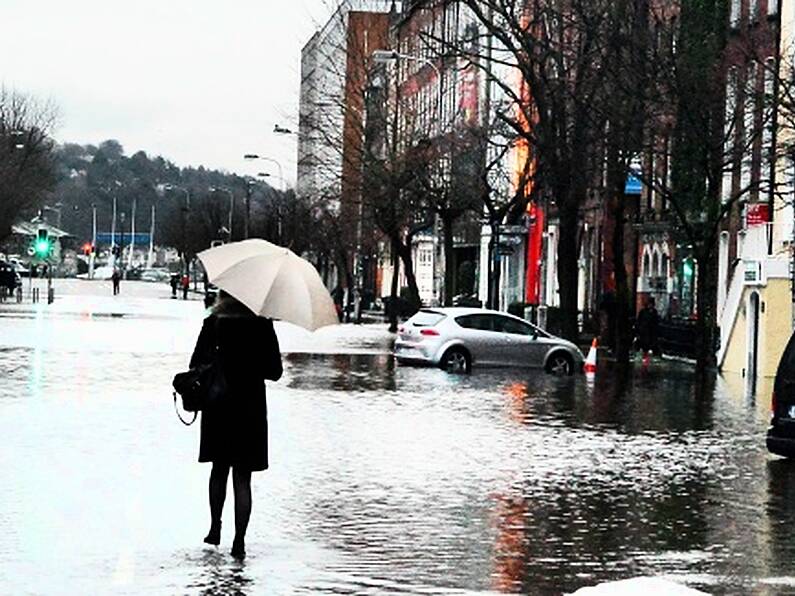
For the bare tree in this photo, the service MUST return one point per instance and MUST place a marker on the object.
(555, 48)
(26, 147)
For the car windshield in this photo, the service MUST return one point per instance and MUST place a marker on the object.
(426, 318)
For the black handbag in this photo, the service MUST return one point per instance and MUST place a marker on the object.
(201, 387)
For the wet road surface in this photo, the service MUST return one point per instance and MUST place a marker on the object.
(383, 479)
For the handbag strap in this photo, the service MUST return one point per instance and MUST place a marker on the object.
(181, 419)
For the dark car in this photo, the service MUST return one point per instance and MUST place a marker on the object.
(781, 434)
(9, 278)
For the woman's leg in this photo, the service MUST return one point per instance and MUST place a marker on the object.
(241, 481)
(218, 476)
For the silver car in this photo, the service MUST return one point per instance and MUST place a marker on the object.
(456, 338)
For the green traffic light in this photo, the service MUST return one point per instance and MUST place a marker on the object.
(687, 268)
(42, 247)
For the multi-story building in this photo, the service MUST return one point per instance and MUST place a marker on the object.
(439, 101)
(755, 251)
(334, 69)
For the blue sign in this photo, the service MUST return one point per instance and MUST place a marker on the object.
(105, 238)
(633, 185)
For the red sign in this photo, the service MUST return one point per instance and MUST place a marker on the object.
(757, 214)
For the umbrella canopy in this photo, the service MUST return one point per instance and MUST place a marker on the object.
(272, 281)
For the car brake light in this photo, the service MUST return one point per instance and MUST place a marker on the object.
(427, 332)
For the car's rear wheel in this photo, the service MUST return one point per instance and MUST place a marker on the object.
(456, 361)
(560, 364)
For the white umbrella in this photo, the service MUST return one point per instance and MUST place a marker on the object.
(272, 281)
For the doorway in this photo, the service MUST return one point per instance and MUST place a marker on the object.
(752, 366)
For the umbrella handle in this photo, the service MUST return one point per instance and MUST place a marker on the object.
(181, 419)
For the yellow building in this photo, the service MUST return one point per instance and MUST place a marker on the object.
(756, 311)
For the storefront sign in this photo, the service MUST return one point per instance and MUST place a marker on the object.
(757, 214)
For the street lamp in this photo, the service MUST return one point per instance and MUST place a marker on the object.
(251, 156)
(278, 209)
(163, 188)
(231, 205)
(281, 130)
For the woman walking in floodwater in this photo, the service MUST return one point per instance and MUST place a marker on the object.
(234, 432)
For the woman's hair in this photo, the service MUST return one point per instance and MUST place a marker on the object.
(228, 305)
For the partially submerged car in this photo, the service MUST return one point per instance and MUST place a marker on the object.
(781, 434)
(458, 338)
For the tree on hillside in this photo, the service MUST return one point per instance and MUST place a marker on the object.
(26, 165)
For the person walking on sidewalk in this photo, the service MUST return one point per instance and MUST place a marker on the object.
(116, 279)
(185, 286)
(647, 329)
(234, 432)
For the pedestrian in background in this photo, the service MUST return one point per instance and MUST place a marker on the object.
(116, 279)
(174, 283)
(647, 329)
(185, 286)
(234, 431)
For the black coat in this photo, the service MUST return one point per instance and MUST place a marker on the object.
(235, 431)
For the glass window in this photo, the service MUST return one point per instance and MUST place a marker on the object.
(512, 326)
(426, 318)
(481, 322)
(735, 13)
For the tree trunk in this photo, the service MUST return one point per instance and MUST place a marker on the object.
(705, 300)
(623, 311)
(496, 268)
(393, 295)
(449, 271)
(568, 268)
(404, 250)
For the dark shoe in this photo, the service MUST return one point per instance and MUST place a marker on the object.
(214, 535)
(239, 549)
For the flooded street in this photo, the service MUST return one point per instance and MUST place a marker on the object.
(383, 479)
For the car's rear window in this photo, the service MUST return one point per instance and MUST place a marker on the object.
(426, 318)
(786, 368)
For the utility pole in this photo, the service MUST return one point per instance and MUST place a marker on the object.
(92, 257)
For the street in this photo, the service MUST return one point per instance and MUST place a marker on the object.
(383, 479)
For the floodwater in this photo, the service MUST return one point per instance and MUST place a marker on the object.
(384, 479)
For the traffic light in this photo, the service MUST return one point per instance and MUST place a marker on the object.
(43, 246)
(687, 268)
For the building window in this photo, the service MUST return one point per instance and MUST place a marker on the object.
(749, 120)
(650, 185)
(646, 266)
(735, 13)
(772, 7)
(730, 132)
(768, 122)
(753, 10)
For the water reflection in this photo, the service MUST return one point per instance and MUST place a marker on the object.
(218, 576)
(389, 478)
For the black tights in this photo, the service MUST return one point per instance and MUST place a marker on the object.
(241, 482)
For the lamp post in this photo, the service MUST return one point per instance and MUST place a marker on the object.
(251, 156)
(231, 205)
(185, 209)
(281, 130)
(278, 210)
(388, 57)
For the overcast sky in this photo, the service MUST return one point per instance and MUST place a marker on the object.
(200, 82)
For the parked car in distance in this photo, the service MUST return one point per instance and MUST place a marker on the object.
(157, 275)
(781, 434)
(9, 278)
(457, 338)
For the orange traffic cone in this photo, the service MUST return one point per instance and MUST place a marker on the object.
(590, 362)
